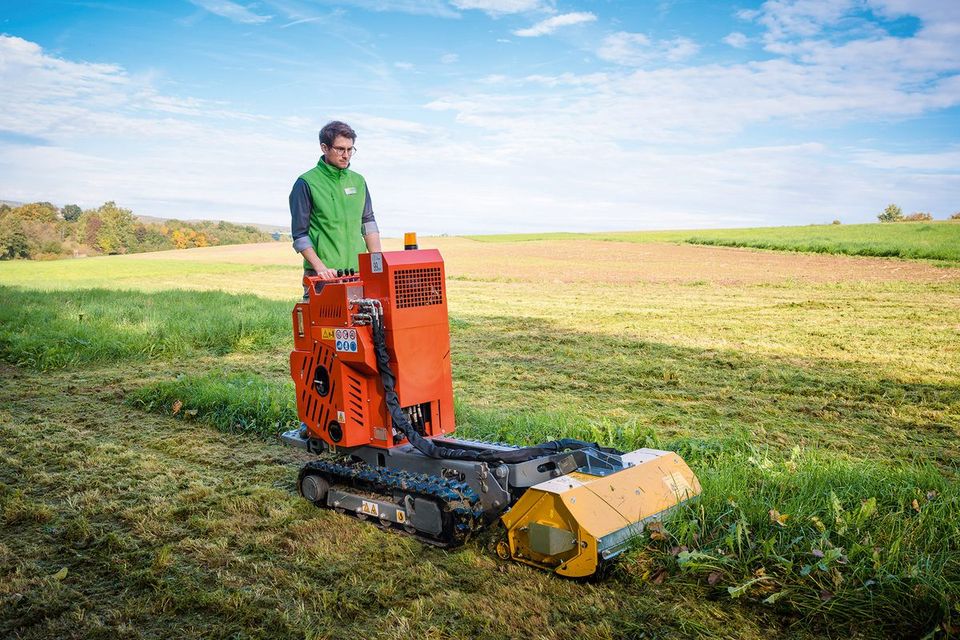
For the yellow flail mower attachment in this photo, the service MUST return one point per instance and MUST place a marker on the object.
(573, 523)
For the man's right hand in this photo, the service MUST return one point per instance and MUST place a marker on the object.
(317, 264)
(324, 272)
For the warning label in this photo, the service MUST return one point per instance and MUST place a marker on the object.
(326, 334)
(346, 340)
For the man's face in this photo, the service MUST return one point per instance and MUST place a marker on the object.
(339, 153)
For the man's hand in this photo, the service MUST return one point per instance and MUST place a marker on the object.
(317, 264)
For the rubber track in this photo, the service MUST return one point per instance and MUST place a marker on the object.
(455, 498)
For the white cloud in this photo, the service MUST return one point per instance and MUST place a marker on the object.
(231, 11)
(449, 58)
(405, 66)
(497, 7)
(737, 40)
(549, 25)
(636, 49)
(631, 147)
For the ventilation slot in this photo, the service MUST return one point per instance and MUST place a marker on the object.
(330, 311)
(417, 287)
(355, 398)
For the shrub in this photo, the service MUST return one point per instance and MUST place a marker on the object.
(919, 216)
(955, 216)
(892, 213)
(837, 221)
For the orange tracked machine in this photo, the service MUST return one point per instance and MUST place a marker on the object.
(371, 364)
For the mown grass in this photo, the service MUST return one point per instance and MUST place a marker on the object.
(920, 240)
(814, 414)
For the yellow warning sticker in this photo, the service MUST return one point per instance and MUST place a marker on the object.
(370, 508)
(327, 334)
(401, 516)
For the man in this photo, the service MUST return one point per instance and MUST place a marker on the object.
(330, 209)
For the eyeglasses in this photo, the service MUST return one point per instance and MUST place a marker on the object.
(343, 151)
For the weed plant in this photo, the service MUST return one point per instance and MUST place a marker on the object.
(822, 536)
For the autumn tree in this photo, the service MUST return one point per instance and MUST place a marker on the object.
(37, 211)
(13, 240)
(892, 213)
(116, 233)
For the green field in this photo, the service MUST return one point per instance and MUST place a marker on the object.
(142, 493)
(924, 240)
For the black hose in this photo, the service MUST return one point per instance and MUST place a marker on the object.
(426, 445)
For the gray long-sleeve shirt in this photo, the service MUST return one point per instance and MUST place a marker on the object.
(301, 206)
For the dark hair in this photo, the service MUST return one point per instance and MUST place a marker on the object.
(336, 128)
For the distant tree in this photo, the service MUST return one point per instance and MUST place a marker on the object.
(919, 216)
(955, 216)
(39, 211)
(14, 242)
(837, 221)
(89, 224)
(116, 233)
(892, 213)
(71, 212)
(5, 209)
(180, 239)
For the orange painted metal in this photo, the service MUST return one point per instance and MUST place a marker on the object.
(333, 364)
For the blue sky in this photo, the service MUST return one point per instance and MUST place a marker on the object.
(483, 116)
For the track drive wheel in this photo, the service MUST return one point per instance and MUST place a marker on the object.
(314, 488)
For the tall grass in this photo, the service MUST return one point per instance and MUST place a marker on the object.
(840, 541)
(235, 403)
(65, 329)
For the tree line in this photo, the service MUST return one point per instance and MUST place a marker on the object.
(40, 230)
(893, 213)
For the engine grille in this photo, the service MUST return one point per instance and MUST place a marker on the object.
(421, 287)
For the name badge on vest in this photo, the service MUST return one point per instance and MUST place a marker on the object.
(350, 190)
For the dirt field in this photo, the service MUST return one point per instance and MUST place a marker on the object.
(616, 262)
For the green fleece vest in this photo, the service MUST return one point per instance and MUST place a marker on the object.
(336, 230)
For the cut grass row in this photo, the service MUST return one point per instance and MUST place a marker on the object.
(915, 240)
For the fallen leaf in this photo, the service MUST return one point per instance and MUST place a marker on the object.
(190, 412)
(774, 597)
(656, 530)
(825, 595)
(915, 505)
(176, 406)
(714, 578)
(778, 518)
(60, 575)
(658, 576)
(932, 494)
